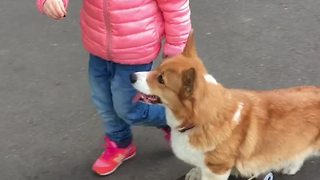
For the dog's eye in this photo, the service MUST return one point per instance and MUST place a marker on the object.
(160, 79)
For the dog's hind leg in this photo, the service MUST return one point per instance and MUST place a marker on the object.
(293, 167)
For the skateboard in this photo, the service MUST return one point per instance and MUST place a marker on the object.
(268, 176)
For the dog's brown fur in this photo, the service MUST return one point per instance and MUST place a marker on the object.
(275, 127)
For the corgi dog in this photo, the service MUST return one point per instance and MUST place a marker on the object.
(224, 131)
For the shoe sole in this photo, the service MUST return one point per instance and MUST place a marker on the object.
(108, 173)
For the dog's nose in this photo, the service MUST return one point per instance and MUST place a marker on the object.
(133, 78)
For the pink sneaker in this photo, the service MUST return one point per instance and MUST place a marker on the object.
(112, 158)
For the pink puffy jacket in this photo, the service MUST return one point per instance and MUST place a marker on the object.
(130, 31)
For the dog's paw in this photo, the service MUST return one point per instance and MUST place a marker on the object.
(193, 174)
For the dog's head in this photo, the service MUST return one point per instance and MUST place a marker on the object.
(177, 83)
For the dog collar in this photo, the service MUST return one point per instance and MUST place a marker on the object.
(184, 129)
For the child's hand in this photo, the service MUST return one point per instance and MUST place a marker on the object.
(55, 9)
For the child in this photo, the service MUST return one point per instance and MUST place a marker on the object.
(122, 37)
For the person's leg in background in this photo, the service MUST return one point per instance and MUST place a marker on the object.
(118, 133)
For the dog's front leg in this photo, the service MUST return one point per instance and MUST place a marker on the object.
(208, 174)
(193, 174)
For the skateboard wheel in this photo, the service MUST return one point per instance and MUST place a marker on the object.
(269, 176)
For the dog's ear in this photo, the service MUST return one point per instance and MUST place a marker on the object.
(188, 80)
(190, 48)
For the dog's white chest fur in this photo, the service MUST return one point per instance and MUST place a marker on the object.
(181, 146)
(184, 151)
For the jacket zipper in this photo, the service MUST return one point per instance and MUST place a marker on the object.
(108, 29)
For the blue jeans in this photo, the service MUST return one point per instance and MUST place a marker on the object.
(112, 93)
